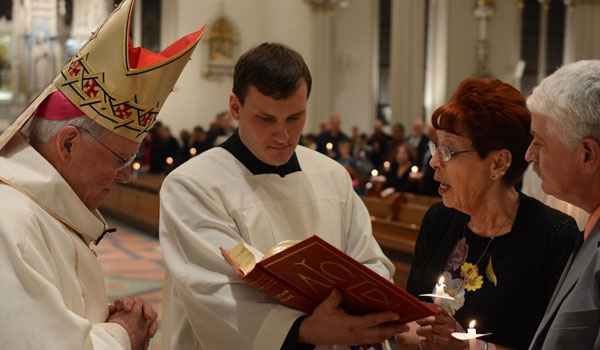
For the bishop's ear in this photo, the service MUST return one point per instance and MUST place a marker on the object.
(66, 139)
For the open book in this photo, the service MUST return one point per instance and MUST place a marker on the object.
(302, 274)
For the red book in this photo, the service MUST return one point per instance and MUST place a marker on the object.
(302, 275)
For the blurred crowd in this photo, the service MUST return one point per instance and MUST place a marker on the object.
(161, 152)
(378, 162)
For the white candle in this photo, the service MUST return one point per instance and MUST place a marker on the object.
(439, 290)
(472, 332)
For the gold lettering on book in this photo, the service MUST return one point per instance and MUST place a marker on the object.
(284, 296)
(371, 293)
(328, 274)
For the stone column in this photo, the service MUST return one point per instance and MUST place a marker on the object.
(407, 61)
(582, 30)
(437, 50)
(543, 39)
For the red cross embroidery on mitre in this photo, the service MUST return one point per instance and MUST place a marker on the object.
(147, 119)
(123, 112)
(90, 87)
(75, 69)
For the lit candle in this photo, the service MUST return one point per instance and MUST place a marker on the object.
(439, 290)
(329, 146)
(169, 160)
(414, 172)
(472, 339)
(374, 172)
(193, 151)
(386, 165)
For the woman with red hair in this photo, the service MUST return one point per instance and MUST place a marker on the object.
(500, 252)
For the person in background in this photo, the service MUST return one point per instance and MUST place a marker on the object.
(198, 141)
(399, 173)
(164, 151)
(355, 140)
(345, 157)
(58, 160)
(348, 161)
(425, 175)
(328, 140)
(143, 154)
(418, 139)
(565, 153)
(379, 142)
(308, 141)
(499, 251)
(398, 135)
(185, 137)
(262, 188)
(221, 129)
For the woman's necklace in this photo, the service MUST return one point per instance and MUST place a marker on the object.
(485, 250)
(491, 239)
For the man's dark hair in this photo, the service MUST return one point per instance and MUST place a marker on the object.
(275, 70)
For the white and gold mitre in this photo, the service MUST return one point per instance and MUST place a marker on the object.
(119, 86)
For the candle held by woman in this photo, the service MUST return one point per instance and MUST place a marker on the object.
(472, 339)
(439, 290)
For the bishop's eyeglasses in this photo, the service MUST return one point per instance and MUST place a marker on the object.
(126, 162)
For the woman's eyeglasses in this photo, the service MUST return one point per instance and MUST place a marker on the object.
(444, 152)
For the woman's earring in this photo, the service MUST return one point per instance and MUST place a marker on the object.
(494, 176)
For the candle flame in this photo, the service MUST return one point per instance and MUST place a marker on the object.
(374, 172)
(414, 169)
(329, 146)
(441, 280)
(472, 324)
(386, 164)
(169, 160)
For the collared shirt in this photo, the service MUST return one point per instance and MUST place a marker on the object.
(235, 146)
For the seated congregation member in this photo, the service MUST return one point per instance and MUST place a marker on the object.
(565, 152)
(52, 181)
(262, 188)
(500, 252)
(328, 140)
(425, 176)
(398, 176)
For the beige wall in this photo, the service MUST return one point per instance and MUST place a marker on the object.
(342, 53)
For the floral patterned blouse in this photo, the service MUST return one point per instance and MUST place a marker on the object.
(503, 283)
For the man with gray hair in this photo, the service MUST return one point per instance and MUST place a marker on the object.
(566, 154)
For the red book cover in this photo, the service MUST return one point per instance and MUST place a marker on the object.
(303, 275)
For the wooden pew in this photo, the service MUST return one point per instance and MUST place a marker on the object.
(382, 208)
(395, 235)
(411, 208)
(395, 222)
(136, 202)
(397, 240)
